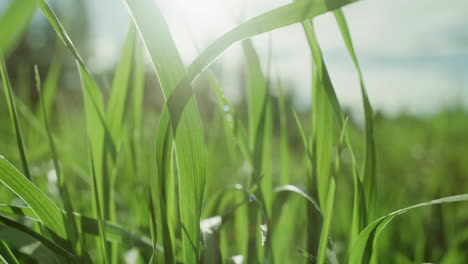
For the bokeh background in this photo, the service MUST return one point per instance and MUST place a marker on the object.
(414, 58)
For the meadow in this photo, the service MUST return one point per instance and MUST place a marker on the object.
(103, 174)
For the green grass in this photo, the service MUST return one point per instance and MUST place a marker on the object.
(92, 182)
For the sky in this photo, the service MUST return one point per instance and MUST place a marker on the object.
(413, 54)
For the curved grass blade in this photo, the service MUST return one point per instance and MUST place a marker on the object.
(14, 22)
(362, 248)
(27, 245)
(49, 213)
(14, 117)
(299, 191)
(277, 18)
(57, 249)
(189, 139)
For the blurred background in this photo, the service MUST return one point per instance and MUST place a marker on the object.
(413, 54)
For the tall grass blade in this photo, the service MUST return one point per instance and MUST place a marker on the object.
(189, 139)
(10, 98)
(105, 251)
(368, 174)
(120, 88)
(69, 218)
(277, 18)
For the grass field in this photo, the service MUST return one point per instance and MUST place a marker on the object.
(103, 176)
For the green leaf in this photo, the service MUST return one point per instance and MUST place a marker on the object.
(70, 223)
(120, 88)
(25, 244)
(50, 85)
(189, 139)
(299, 191)
(49, 213)
(105, 253)
(368, 174)
(114, 232)
(6, 256)
(10, 97)
(362, 248)
(57, 249)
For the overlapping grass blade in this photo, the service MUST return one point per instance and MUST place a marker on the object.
(49, 213)
(277, 18)
(10, 98)
(14, 23)
(69, 219)
(189, 139)
(6, 256)
(362, 249)
(56, 248)
(97, 128)
(115, 233)
(27, 245)
(104, 247)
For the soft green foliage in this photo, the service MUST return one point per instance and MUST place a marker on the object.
(258, 180)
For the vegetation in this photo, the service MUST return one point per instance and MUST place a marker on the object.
(111, 179)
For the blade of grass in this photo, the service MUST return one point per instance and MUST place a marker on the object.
(49, 91)
(105, 252)
(49, 213)
(69, 219)
(362, 248)
(27, 245)
(277, 18)
(368, 174)
(120, 88)
(97, 128)
(153, 227)
(57, 249)
(14, 117)
(189, 139)
(115, 233)
(6, 256)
